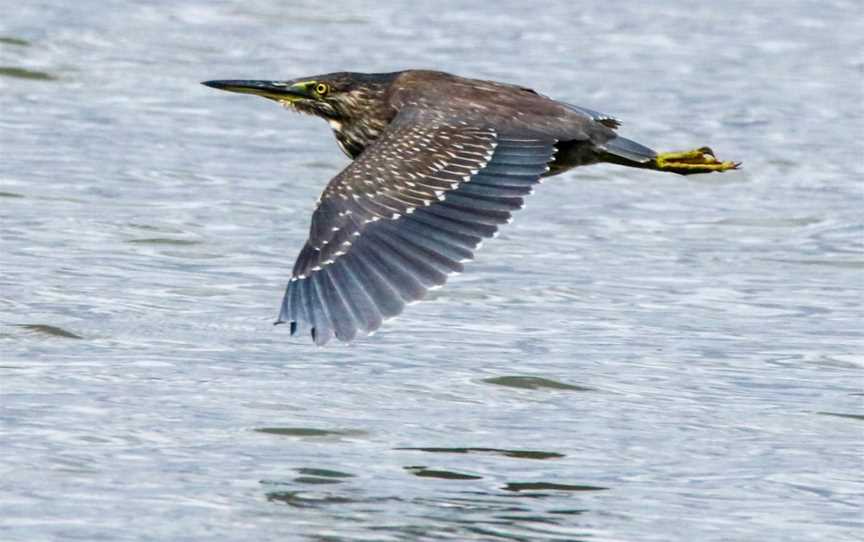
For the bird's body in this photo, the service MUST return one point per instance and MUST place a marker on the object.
(439, 162)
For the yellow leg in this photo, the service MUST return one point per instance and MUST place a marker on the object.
(700, 160)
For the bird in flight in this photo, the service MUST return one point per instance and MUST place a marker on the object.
(439, 162)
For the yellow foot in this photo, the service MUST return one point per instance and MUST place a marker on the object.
(701, 160)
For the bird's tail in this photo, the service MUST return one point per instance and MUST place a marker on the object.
(626, 152)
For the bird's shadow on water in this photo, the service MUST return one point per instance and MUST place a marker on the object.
(486, 502)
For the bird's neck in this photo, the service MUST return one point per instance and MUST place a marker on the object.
(354, 136)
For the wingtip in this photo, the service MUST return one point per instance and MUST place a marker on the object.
(320, 339)
(292, 325)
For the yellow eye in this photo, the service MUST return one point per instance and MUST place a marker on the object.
(322, 89)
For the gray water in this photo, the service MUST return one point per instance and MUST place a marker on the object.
(638, 356)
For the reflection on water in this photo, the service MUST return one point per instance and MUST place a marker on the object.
(23, 73)
(13, 41)
(303, 500)
(424, 472)
(49, 330)
(550, 486)
(533, 383)
(521, 454)
(315, 480)
(325, 473)
(494, 516)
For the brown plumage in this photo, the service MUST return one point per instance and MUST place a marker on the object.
(439, 163)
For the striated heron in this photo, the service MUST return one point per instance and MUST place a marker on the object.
(439, 163)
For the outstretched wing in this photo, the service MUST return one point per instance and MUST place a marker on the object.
(402, 217)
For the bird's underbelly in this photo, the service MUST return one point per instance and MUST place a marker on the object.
(573, 154)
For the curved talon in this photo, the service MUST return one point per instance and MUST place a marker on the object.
(700, 160)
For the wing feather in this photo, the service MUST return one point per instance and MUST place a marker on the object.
(403, 216)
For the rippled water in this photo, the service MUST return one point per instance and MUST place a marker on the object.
(638, 357)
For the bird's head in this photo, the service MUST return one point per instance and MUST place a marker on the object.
(336, 97)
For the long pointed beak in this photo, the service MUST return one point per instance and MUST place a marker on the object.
(274, 90)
